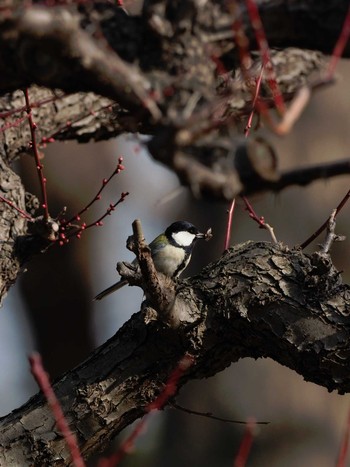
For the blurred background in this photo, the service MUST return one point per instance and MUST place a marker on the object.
(51, 310)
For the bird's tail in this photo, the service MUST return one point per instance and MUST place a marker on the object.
(111, 289)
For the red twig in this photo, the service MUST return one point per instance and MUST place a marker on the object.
(255, 100)
(168, 391)
(64, 238)
(324, 225)
(261, 39)
(241, 38)
(259, 220)
(344, 447)
(43, 381)
(252, 214)
(246, 444)
(229, 225)
(33, 105)
(339, 46)
(97, 197)
(14, 124)
(111, 208)
(69, 123)
(13, 206)
(39, 166)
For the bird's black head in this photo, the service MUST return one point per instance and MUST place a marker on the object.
(183, 234)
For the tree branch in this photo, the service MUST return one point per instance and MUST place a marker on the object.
(258, 300)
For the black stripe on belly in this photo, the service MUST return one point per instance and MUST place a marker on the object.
(182, 266)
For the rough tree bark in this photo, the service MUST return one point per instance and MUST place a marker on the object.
(156, 76)
(258, 300)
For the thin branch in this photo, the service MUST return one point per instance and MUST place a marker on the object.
(339, 46)
(246, 445)
(39, 166)
(33, 105)
(159, 289)
(259, 220)
(229, 224)
(255, 100)
(20, 211)
(331, 236)
(97, 197)
(168, 391)
(14, 124)
(324, 225)
(344, 447)
(261, 39)
(43, 381)
(211, 416)
(303, 176)
(64, 238)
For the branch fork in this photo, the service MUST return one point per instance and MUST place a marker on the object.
(331, 236)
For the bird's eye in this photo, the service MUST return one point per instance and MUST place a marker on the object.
(192, 230)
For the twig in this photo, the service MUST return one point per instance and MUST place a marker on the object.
(97, 197)
(210, 415)
(33, 105)
(229, 225)
(306, 175)
(20, 211)
(64, 238)
(293, 112)
(246, 444)
(324, 225)
(331, 236)
(339, 46)
(261, 40)
(344, 447)
(144, 257)
(43, 381)
(159, 289)
(169, 390)
(39, 166)
(255, 100)
(259, 220)
(14, 124)
(70, 123)
(240, 38)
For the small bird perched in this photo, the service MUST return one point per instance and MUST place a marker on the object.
(171, 252)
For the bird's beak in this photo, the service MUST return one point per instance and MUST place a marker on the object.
(207, 236)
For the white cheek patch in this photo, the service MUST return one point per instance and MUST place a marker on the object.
(183, 238)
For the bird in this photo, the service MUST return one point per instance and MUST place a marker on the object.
(171, 252)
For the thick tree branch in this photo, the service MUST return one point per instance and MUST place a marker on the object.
(50, 46)
(52, 49)
(12, 226)
(258, 300)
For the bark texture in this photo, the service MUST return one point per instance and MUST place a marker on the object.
(258, 300)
